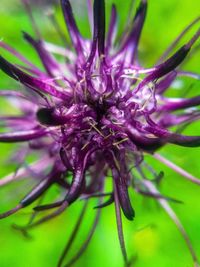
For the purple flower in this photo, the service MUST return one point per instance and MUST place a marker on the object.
(95, 116)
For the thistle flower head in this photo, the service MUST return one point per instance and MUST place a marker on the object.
(97, 113)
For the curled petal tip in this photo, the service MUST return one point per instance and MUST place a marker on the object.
(125, 202)
(5, 67)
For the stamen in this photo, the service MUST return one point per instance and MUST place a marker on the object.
(120, 142)
(96, 129)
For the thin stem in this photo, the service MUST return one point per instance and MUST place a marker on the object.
(73, 235)
(176, 41)
(52, 215)
(30, 14)
(87, 241)
(10, 212)
(177, 169)
(120, 226)
(151, 187)
(22, 172)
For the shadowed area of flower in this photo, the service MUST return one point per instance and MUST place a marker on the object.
(96, 115)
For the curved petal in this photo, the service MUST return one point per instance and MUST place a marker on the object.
(112, 28)
(71, 25)
(131, 44)
(176, 104)
(99, 24)
(78, 177)
(30, 81)
(22, 136)
(171, 63)
(50, 64)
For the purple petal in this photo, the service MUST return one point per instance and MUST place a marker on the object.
(174, 138)
(65, 159)
(171, 63)
(78, 177)
(98, 31)
(99, 25)
(131, 44)
(38, 190)
(176, 104)
(173, 45)
(47, 59)
(165, 83)
(72, 27)
(19, 56)
(23, 136)
(31, 82)
(186, 141)
(121, 184)
(112, 28)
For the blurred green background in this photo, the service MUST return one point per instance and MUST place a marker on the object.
(152, 236)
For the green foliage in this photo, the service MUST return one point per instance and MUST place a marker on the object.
(151, 236)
